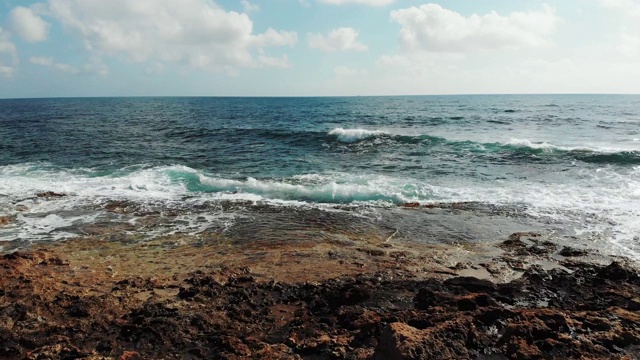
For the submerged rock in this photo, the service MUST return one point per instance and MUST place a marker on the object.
(49, 194)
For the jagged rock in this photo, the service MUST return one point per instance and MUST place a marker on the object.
(49, 194)
(51, 307)
(568, 251)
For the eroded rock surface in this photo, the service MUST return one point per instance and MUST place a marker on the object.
(58, 307)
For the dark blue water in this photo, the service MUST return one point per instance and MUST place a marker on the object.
(574, 158)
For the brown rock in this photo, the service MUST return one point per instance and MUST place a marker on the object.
(5, 220)
(400, 341)
(412, 205)
(130, 355)
(205, 302)
(58, 351)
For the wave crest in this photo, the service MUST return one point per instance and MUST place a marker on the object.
(353, 135)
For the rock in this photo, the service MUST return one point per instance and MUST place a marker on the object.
(217, 308)
(130, 355)
(5, 220)
(568, 251)
(400, 342)
(448, 340)
(59, 351)
(118, 207)
(411, 205)
(471, 284)
(615, 271)
(50, 194)
(372, 252)
(519, 235)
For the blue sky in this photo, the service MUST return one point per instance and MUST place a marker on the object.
(56, 48)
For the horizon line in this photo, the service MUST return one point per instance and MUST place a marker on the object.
(308, 96)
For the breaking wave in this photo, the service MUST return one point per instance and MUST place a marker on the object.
(354, 135)
(586, 154)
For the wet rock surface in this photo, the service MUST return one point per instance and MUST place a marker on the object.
(94, 305)
(5, 220)
(50, 194)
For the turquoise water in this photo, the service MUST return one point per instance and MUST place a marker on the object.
(572, 160)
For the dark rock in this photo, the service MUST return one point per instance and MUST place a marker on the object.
(615, 271)
(568, 251)
(411, 205)
(471, 284)
(49, 194)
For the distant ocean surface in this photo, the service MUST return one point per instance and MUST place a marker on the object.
(562, 164)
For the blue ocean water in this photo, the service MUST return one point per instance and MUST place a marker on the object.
(569, 161)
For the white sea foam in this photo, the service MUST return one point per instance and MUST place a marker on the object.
(353, 135)
(597, 148)
(593, 200)
(318, 189)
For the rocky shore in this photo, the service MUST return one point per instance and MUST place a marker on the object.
(204, 297)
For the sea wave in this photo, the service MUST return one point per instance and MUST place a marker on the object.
(354, 135)
(173, 183)
(606, 192)
(516, 147)
(326, 192)
(588, 154)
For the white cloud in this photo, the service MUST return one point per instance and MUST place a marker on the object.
(361, 2)
(628, 16)
(629, 7)
(8, 54)
(274, 38)
(344, 38)
(93, 67)
(29, 26)
(195, 33)
(431, 27)
(50, 63)
(249, 7)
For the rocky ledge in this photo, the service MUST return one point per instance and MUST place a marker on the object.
(180, 298)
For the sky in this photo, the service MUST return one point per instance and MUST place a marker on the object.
(61, 48)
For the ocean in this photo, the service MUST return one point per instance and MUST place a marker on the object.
(483, 166)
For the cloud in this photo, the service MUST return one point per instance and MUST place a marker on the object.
(8, 54)
(629, 7)
(361, 2)
(26, 24)
(274, 38)
(628, 13)
(431, 27)
(93, 67)
(344, 38)
(194, 33)
(50, 63)
(249, 7)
